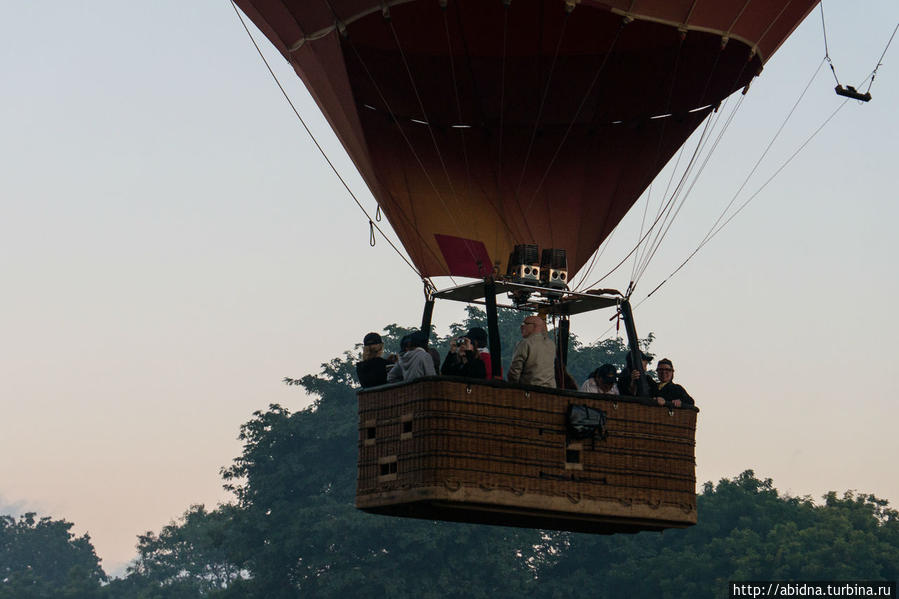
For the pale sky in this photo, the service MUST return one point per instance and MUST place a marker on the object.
(172, 245)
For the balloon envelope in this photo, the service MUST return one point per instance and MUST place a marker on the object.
(482, 124)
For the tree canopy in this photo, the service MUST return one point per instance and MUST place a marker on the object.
(292, 529)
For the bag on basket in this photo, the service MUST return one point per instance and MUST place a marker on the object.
(584, 422)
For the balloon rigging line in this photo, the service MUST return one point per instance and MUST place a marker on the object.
(880, 60)
(658, 145)
(577, 113)
(320, 149)
(687, 170)
(527, 155)
(641, 261)
(826, 50)
(452, 61)
(424, 112)
(639, 258)
(502, 105)
(748, 200)
(709, 154)
(645, 263)
(713, 232)
(596, 256)
(662, 231)
(764, 153)
(679, 199)
(759, 190)
(411, 149)
(646, 209)
(648, 231)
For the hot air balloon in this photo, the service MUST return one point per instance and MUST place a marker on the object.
(504, 140)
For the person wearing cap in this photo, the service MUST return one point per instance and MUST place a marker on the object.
(372, 370)
(669, 392)
(414, 361)
(602, 380)
(534, 357)
(627, 380)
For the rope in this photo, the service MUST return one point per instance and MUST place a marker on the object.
(826, 50)
(765, 153)
(662, 232)
(880, 60)
(759, 190)
(411, 149)
(372, 225)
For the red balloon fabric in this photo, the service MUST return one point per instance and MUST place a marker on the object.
(524, 121)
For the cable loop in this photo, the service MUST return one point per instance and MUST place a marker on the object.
(371, 233)
(378, 213)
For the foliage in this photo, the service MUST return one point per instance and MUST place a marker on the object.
(40, 557)
(292, 530)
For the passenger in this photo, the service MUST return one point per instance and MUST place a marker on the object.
(478, 337)
(372, 370)
(602, 380)
(627, 380)
(463, 360)
(534, 356)
(669, 391)
(414, 361)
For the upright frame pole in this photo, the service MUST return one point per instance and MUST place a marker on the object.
(633, 343)
(496, 352)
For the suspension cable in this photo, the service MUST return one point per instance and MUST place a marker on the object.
(826, 49)
(880, 60)
(371, 222)
(752, 197)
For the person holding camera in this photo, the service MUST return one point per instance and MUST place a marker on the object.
(463, 360)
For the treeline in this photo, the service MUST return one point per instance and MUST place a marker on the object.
(292, 531)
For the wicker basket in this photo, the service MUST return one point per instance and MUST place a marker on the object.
(491, 452)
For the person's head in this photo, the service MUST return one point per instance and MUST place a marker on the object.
(418, 339)
(478, 337)
(406, 343)
(665, 370)
(532, 324)
(605, 375)
(372, 346)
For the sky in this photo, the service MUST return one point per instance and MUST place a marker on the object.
(172, 245)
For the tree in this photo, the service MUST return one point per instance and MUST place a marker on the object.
(293, 530)
(41, 557)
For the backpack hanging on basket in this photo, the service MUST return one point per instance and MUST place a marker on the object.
(584, 422)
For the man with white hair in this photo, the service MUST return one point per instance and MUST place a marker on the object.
(534, 357)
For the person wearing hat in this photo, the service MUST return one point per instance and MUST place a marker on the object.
(602, 380)
(627, 380)
(670, 392)
(372, 370)
(414, 362)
